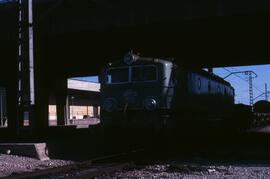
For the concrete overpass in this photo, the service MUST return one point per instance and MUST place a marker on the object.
(235, 33)
(77, 38)
(215, 33)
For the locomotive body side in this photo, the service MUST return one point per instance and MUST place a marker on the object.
(208, 96)
(156, 94)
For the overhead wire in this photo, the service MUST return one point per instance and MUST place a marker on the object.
(255, 86)
(243, 79)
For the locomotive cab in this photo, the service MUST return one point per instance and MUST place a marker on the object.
(136, 88)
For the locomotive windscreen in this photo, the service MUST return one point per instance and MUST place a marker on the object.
(117, 75)
(131, 74)
(144, 73)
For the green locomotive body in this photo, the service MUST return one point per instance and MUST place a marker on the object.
(150, 93)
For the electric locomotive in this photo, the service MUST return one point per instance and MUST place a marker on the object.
(152, 94)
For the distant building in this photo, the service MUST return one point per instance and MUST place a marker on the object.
(83, 102)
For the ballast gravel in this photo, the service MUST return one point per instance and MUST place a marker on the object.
(13, 165)
(190, 171)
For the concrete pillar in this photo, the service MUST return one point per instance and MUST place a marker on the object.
(61, 101)
(2, 105)
(95, 110)
(40, 122)
(12, 107)
(67, 110)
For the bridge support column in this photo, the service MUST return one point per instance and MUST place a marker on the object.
(67, 109)
(42, 95)
(12, 107)
(95, 110)
(61, 102)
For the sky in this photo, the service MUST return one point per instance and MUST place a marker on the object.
(5, 1)
(87, 78)
(239, 82)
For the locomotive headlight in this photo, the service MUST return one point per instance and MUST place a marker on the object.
(150, 104)
(130, 58)
(109, 105)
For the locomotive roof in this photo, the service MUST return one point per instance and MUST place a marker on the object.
(149, 60)
(211, 76)
(140, 60)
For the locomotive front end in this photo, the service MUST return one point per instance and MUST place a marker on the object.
(135, 92)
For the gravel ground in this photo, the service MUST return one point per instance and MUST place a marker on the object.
(12, 164)
(194, 171)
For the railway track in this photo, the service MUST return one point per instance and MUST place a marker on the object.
(242, 146)
(86, 169)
